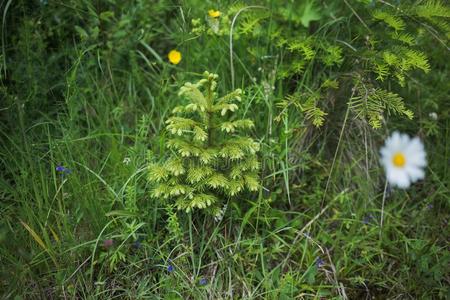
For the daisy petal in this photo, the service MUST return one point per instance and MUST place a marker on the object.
(398, 177)
(415, 173)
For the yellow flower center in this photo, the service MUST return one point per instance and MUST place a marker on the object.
(174, 57)
(214, 13)
(398, 159)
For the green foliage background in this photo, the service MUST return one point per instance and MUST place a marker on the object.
(87, 85)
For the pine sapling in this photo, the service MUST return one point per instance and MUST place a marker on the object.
(211, 159)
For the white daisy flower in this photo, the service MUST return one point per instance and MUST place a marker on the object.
(403, 159)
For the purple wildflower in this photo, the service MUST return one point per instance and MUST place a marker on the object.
(63, 170)
(319, 263)
(170, 268)
(60, 169)
(203, 281)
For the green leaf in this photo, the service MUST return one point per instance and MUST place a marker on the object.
(310, 13)
(83, 34)
(121, 213)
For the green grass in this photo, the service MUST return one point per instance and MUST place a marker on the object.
(94, 99)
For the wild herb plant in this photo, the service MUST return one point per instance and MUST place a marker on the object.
(210, 159)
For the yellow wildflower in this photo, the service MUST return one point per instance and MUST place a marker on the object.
(214, 13)
(174, 57)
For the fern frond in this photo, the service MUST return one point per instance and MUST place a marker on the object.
(330, 84)
(381, 70)
(297, 67)
(390, 58)
(400, 78)
(432, 9)
(313, 112)
(252, 22)
(333, 56)
(304, 46)
(393, 21)
(403, 37)
(442, 25)
(371, 103)
(417, 59)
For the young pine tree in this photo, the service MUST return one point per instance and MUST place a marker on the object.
(210, 160)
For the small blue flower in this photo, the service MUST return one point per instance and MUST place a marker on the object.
(203, 281)
(63, 170)
(170, 268)
(319, 262)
